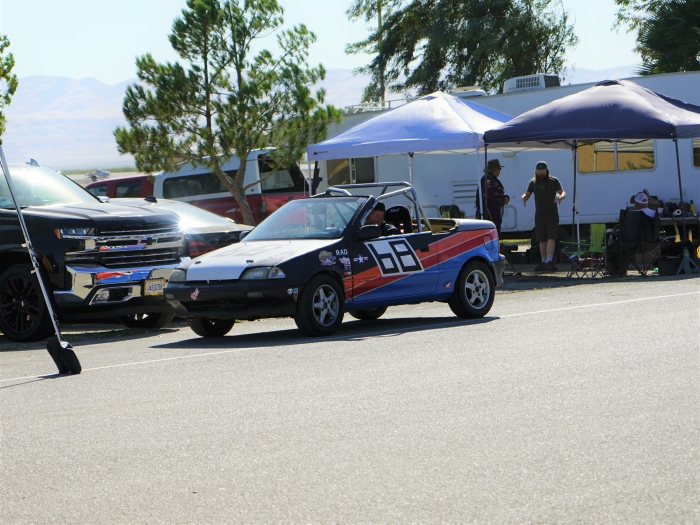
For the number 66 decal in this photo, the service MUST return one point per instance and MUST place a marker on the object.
(395, 257)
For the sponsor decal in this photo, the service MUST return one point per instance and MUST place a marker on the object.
(341, 252)
(448, 285)
(361, 259)
(345, 262)
(294, 292)
(326, 258)
(194, 295)
(395, 257)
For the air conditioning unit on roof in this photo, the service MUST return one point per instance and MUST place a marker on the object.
(531, 82)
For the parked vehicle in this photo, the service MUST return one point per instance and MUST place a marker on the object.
(99, 259)
(200, 187)
(607, 173)
(123, 187)
(315, 259)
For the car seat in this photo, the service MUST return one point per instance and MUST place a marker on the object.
(400, 217)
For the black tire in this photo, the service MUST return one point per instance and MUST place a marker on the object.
(320, 306)
(474, 292)
(152, 321)
(368, 315)
(212, 327)
(23, 314)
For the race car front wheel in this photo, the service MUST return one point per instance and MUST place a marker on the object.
(320, 306)
(474, 293)
(211, 327)
(368, 315)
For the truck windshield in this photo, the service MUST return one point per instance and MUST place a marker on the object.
(42, 187)
(325, 218)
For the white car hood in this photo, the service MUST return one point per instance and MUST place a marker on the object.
(228, 263)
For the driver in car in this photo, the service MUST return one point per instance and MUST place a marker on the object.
(376, 216)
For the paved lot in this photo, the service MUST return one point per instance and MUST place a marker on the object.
(570, 404)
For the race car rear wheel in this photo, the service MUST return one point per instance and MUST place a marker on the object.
(320, 306)
(211, 327)
(151, 321)
(368, 315)
(474, 293)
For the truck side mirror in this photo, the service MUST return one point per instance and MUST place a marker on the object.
(103, 198)
(368, 232)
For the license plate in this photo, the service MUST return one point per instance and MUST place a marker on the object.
(153, 286)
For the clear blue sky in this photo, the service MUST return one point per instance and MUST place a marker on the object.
(101, 38)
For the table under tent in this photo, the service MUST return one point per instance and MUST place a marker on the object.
(612, 111)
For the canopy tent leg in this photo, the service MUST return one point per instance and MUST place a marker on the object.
(60, 350)
(574, 218)
(486, 186)
(680, 186)
(410, 168)
(687, 265)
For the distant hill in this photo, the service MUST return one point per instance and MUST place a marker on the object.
(68, 123)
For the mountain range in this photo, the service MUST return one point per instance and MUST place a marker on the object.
(68, 123)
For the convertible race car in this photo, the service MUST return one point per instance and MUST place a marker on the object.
(315, 259)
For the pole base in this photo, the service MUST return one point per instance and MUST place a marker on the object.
(688, 265)
(63, 355)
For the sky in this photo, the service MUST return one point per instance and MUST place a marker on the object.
(102, 38)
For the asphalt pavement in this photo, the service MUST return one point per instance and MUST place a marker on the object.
(566, 404)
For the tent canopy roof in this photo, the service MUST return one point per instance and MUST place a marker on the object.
(438, 122)
(610, 110)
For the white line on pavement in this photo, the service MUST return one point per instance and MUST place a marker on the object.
(372, 334)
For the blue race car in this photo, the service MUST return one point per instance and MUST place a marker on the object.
(315, 259)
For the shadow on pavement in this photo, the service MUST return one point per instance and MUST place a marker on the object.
(348, 331)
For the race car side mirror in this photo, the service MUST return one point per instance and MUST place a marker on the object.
(367, 232)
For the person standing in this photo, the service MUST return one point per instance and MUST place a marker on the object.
(493, 195)
(548, 194)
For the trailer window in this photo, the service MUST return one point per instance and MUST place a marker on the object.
(616, 156)
(338, 171)
(363, 170)
(696, 152)
(193, 185)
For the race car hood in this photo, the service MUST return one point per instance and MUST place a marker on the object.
(228, 263)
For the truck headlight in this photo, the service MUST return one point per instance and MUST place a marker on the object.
(263, 272)
(178, 276)
(68, 233)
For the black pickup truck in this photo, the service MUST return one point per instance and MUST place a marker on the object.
(98, 259)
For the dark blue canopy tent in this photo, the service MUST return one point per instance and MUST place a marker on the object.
(613, 110)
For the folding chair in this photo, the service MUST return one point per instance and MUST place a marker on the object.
(589, 261)
(640, 235)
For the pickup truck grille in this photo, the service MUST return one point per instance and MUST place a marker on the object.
(133, 259)
(140, 230)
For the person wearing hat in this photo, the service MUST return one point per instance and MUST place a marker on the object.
(641, 203)
(376, 216)
(548, 194)
(492, 194)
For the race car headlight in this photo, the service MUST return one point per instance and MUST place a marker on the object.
(263, 272)
(178, 276)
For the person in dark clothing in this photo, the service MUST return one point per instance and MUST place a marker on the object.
(493, 195)
(376, 216)
(548, 194)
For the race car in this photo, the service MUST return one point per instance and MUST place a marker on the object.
(315, 259)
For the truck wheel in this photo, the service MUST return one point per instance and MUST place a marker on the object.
(368, 315)
(475, 291)
(152, 321)
(212, 327)
(23, 313)
(320, 306)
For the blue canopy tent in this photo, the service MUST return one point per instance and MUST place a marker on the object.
(613, 110)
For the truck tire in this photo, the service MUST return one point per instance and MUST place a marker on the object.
(368, 315)
(211, 327)
(152, 321)
(23, 313)
(475, 291)
(320, 306)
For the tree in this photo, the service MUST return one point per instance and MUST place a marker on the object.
(226, 101)
(8, 81)
(668, 33)
(426, 45)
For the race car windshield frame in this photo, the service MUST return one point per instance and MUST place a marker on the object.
(318, 218)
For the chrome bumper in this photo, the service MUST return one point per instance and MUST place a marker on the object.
(86, 282)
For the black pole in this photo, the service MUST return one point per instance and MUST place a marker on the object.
(574, 211)
(486, 183)
(60, 350)
(680, 187)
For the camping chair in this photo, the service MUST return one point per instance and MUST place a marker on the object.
(640, 239)
(589, 260)
(400, 217)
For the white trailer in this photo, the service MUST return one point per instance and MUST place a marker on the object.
(607, 173)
